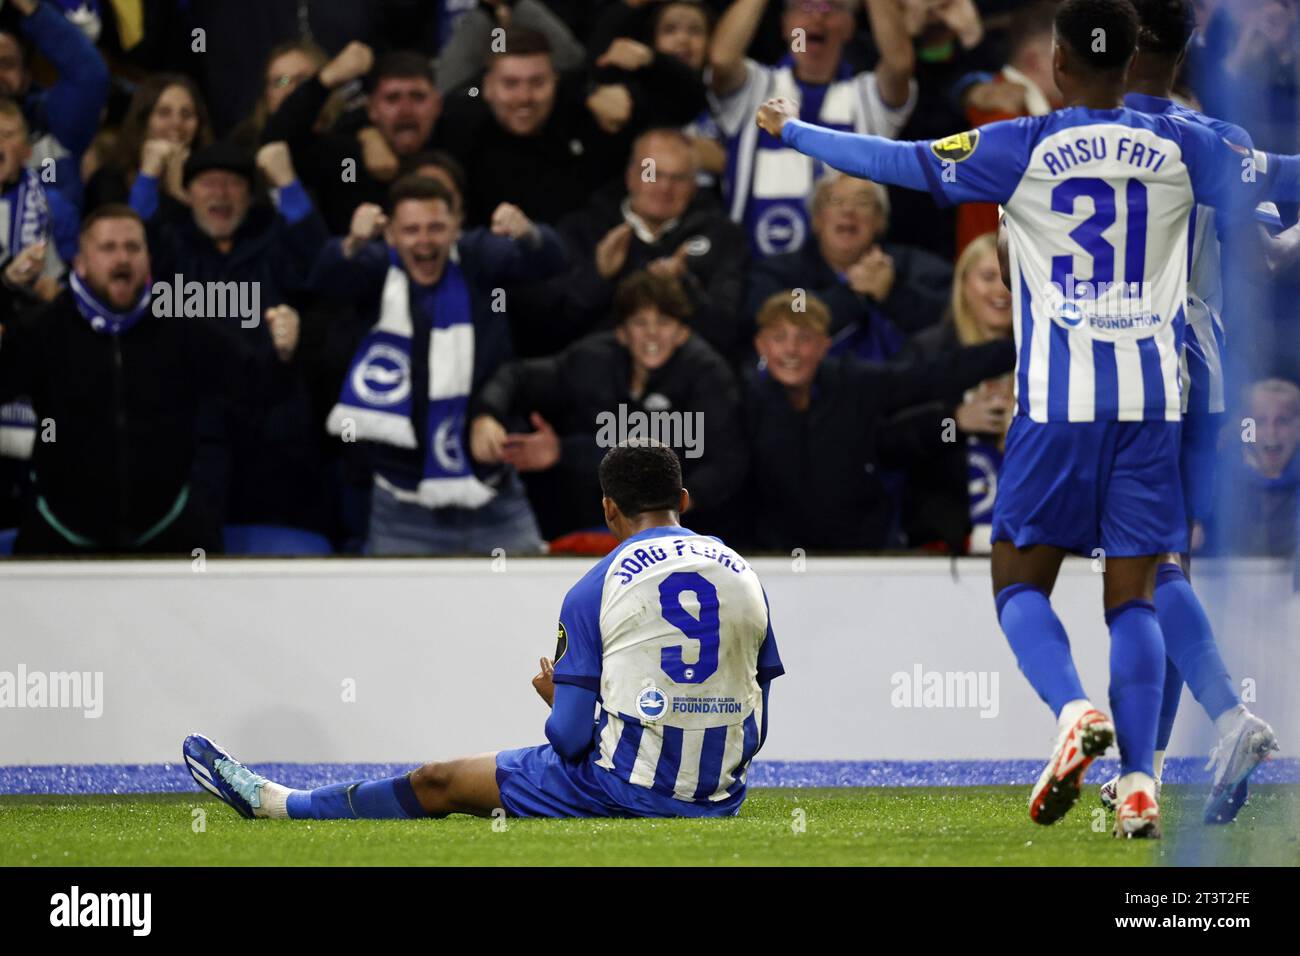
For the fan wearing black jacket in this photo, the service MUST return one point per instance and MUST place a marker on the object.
(119, 394)
(542, 140)
(345, 167)
(656, 219)
(223, 237)
(820, 430)
(651, 363)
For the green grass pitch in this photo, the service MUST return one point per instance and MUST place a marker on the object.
(901, 826)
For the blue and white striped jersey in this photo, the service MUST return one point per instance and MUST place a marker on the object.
(1201, 369)
(672, 631)
(1097, 207)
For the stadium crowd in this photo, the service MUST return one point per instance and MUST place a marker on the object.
(391, 274)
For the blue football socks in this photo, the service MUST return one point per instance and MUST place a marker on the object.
(1189, 642)
(1169, 697)
(1040, 644)
(390, 799)
(1137, 676)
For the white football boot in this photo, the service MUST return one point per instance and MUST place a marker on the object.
(1079, 744)
(1137, 814)
(1238, 754)
(1109, 792)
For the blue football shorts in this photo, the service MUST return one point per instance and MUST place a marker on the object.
(1087, 485)
(538, 782)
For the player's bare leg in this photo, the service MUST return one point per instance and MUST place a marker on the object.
(1037, 566)
(465, 785)
(1023, 579)
(1129, 579)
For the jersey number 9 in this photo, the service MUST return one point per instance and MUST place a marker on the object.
(706, 629)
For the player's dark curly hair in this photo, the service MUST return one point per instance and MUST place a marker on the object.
(1164, 26)
(1078, 23)
(642, 476)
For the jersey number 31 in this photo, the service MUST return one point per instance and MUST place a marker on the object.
(1088, 234)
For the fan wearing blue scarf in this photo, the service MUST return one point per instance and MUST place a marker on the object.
(24, 254)
(124, 298)
(24, 210)
(767, 185)
(132, 395)
(439, 328)
(426, 284)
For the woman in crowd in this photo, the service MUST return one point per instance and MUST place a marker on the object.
(166, 121)
(288, 65)
(666, 44)
(960, 486)
(682, 29)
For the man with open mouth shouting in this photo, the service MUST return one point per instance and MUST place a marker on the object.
(116, 392)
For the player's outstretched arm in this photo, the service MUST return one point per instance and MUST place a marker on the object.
(868, 157)
(1233, 177)
(979, 165)
(1262, 176)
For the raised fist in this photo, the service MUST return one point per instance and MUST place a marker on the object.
(368, 221)
(154, 156)
(508, 220)
(353, 61)
(276, 164)
(773, 114)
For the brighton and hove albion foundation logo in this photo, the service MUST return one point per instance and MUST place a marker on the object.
(651, 703)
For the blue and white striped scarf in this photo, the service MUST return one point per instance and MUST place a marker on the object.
(17, 429)
(376, 401)
(25, 211)
(770, 184)
(24, 221)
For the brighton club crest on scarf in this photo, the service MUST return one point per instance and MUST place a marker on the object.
(376, 400)
(767, 184)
